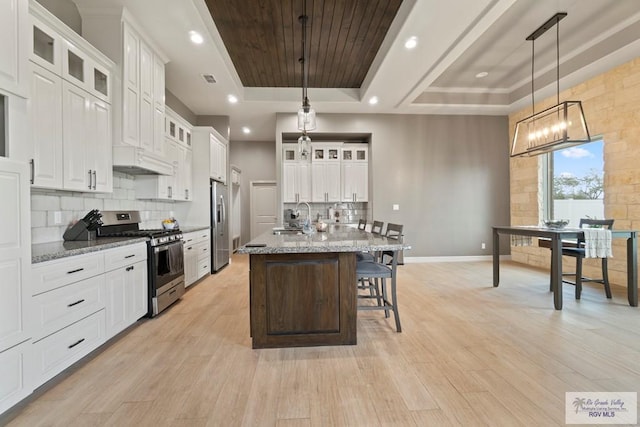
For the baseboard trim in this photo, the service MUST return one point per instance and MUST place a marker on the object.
(425, 259)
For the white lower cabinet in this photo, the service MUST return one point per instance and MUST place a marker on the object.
(126, 287)
(126, 296)
(197, 255)
(14, 376)
(78, 303)
(58, 351)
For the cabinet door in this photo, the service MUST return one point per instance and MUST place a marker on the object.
(139, 290)
(190, 264)
(304, 182)
(15, 364)
(45, 116)
(46, 50)
(289, 171)
(14, 31)
(158, 82)
(131, 88)
(99, 155)
(158, 130)
(355, 182)
(222, 168)
(15, 259)
(332, 172)
(75, 113)
(187, 174)
(147, 108)
(126, 296)
(214, 156)
(318, 191)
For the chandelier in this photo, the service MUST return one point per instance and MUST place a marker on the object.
(557, 127)
(306, 114)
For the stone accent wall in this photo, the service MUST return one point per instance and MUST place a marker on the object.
(611, 103)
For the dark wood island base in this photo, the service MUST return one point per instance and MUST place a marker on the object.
(303, 299)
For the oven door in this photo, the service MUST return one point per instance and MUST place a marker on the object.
(167, 266)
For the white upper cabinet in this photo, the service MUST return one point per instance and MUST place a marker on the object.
(14, 36)
(296, 176)
(218, 159)
(131, 87)
(355, 172)
(45, 116)
(139, 116)
(69, 109)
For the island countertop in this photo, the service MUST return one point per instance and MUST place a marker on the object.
(337, 238)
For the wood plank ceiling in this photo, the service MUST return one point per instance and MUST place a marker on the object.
(264, 39)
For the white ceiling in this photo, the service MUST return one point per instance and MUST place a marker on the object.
(456, 40)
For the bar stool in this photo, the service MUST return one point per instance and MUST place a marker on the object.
(362, 224)
(376, 228)
(394, 231)
(369, 270)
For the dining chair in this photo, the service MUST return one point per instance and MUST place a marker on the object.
(578, 252)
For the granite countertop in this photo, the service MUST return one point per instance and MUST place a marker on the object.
(42, 252)
(337, 238)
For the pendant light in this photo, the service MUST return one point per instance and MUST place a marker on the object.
(557, 127)
(306, 114)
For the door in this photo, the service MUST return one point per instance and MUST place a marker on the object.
(263, 207)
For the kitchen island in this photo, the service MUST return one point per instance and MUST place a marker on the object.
(303, 287)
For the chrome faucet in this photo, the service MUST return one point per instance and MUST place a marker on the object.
(308, 221)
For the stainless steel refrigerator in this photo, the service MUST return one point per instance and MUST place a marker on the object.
(219, 225)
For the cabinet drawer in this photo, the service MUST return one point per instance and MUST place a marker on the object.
(57, 352)
(127, 255)
(204, 267)
(56, 309)
(55, 274)
(202, 249)
(203, 235)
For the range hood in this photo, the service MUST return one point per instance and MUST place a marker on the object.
(136, 161)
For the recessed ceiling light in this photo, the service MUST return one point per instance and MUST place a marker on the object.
(411, 42)
(373, 100)
(481, 75)
(232, 99)
(246, 130)
(196, 37)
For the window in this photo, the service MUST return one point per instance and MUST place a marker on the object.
(574, 183)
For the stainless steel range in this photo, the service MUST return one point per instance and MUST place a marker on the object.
(165, 258)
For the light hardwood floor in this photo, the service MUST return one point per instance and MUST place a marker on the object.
(469, 355)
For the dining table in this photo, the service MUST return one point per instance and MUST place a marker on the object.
(556, 236)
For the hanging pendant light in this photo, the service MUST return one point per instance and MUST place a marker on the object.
(306, 114)
(557, 127)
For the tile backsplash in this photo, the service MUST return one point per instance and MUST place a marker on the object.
(53, 211)
(347, 212)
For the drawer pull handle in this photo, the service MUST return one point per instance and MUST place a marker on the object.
(130, 256)
(75, 271)
(76, 343)
(75, 303)
(129, 268)
(172, 292)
